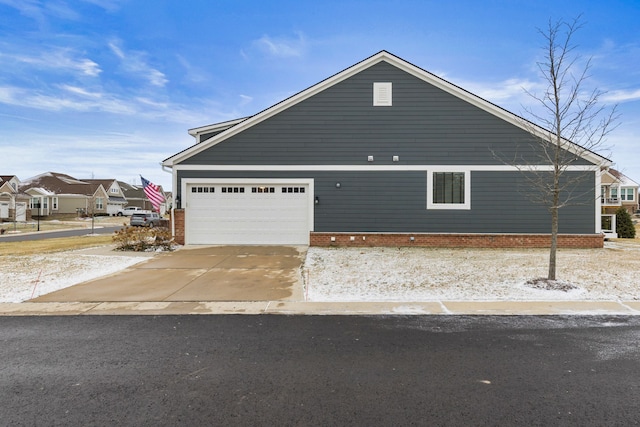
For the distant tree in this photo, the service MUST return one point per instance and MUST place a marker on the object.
(624, 224)
(92, 207)
(570, 123)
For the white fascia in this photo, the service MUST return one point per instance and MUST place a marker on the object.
(380, 168)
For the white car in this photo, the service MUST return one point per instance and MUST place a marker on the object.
(130, 211)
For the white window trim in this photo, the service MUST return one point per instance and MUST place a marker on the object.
(449, 206)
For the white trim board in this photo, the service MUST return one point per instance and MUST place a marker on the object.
(382, 168)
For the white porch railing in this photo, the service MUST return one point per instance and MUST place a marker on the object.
(611, 201)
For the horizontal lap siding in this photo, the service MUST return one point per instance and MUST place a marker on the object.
(396, 202)
(341, 126)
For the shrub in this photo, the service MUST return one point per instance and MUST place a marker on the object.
(624, 224)
(142, 239)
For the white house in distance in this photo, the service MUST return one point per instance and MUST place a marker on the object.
(616, 190)
(13, 203)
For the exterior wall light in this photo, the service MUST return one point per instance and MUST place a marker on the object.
(338, 185)
(317, 200)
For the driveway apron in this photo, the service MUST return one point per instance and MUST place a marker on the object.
(212, 273)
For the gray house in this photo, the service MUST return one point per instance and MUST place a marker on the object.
(382, 153)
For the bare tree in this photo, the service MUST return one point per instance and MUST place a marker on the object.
(572, 124)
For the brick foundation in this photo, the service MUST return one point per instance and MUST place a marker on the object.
(579, 241)
(177, 225)
(436, 240)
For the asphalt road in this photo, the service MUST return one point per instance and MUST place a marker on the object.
(40, 235)
(319, 371)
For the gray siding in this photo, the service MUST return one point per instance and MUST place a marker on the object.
(396, 202)
(340, 125)
(208, 135)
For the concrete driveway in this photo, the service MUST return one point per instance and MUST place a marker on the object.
(213, 273)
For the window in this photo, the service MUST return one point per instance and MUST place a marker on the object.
(233, 189)
(448, 190)
(54, 203)
(113, 190)
(614, 192)
(627, 194)
(203, 189)
(293, 189)
(99, 203)
(263, 189)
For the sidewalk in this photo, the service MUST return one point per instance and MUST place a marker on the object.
(509, 308)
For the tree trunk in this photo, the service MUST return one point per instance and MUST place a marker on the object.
(554, 244)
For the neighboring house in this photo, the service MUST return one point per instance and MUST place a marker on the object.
(382, 153)
(13, 203)
(616, 190)
(134, 194)
(115, 199)
(55, 193)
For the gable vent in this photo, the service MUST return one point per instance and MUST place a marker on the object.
(382, 94)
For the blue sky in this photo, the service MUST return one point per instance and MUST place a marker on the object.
(109, 88)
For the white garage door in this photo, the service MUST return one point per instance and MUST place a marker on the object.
(4, 210)
(250, 214)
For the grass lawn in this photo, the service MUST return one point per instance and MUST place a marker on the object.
(62, 223)
(36, 247)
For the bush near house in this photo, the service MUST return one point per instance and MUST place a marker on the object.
(624, 224)
(141, 239)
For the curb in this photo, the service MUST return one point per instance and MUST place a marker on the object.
(477, 308)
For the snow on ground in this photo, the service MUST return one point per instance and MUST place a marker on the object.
(379, 274)
(26, 277)
(432, 274)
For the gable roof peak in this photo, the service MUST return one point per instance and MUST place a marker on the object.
(383, 55)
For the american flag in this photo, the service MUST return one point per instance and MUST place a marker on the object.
(152, 191)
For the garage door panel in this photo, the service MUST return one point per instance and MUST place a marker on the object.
(247, 214)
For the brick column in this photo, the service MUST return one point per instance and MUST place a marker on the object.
(177, 225)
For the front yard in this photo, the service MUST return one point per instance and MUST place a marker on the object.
(423, 274)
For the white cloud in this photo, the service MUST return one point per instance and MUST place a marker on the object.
(134, 62)
(282, 47)
(618, 96)
(58, 59)
(507, 90)
(80, 91)
(245, 99)
(29, 8)
(193, 74)
(108, 5)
